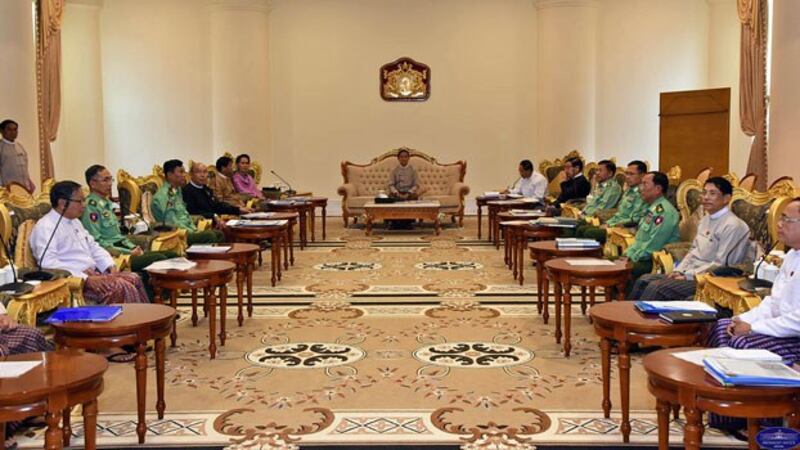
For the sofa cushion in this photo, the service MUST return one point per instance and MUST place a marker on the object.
(433, 179)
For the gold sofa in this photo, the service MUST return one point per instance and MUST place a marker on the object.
(437, 181)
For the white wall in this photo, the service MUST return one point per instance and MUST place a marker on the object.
(645, 47)
(156, 82)
(785, 96)
(326, 107)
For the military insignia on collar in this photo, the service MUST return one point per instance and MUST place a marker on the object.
(92, 202)
(106, 214)
(170, 204)
(93, 217)
(659, 219)
(659, 209)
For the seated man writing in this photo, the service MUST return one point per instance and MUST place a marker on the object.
(606, 192)
(657, 228)
(169, 208)
(722, 240)
(222, 184)
(200, 199)
(631, 208)
(101, 222)
(531, 184)
(70, 247)
(403, 179)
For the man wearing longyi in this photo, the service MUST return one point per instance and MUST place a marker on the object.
(403, 183)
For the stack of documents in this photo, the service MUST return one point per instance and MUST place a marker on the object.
(258, 215)
(576, 243)
(85, 314)
(172, 264)
(740, 372)
(527, 213)
(589, 262)
(697, 356)
(283, 202)
(651, 307)
(14, 369)
(560, 222)
(491, 194)
(208, 248)
(256, 223)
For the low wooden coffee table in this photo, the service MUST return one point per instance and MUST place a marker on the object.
(417, 210)
(63, 379)
(674, 381)
(566, 275)
(623, 324)
(136, 325)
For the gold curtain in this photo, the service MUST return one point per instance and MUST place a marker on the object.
(49, 14)
(753, 84)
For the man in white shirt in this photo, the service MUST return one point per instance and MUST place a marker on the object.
(531, 184)
(722, 239)
(59, 241)
(774, 324)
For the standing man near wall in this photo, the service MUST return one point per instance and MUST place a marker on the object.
(13, 158)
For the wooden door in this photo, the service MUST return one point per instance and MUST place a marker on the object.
(694, 131)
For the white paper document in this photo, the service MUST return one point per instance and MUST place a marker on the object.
(590, 262)
(14, 369)
(172, 264)
(256, 223)
(205, 248)
(258, 215)
(697, 356)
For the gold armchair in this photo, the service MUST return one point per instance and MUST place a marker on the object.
(554, 172)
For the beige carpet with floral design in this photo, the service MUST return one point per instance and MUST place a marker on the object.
(399, 339)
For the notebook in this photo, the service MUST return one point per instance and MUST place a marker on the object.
(85, 314)
(688, 316)
(652, 307)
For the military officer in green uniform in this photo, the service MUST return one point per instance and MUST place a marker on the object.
(168, 206)
(658, 227)
(631, 208)
(606, 192)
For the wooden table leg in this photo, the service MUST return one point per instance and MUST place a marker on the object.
(194, 307)
(605, 363)
(173, 301)
(545, 296)
(624, 362)
(480, 216)
(241, 270)
(90, 425)
(437, 224)
(752, 432)
(223, 312)
(567, 318)
(558, 299)
(53, 436)
(249, 279)
(66, 427)
(324, 220)
(521, 244)
(312, 219)
(290, 247)
(302, 223)
(368, 228)
(583, 300)
(282, 245)
(212, 321)
(692, 430)
(662, 411)
(141, 389)
(160, 354)
(274, 260)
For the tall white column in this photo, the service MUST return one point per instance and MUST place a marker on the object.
(18, 60)
(567, 52)
(240, 78)
(81, 131)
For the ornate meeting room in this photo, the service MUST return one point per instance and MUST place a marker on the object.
(427, 224)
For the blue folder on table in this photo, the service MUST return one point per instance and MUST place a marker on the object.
(85, 314)
(733, 372)
(661, 307)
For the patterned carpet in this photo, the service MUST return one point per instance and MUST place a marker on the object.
(405, 339)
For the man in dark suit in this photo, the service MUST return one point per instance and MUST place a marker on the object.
(576, 185)
(200, 199)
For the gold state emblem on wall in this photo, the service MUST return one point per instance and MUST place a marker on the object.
(405, 80)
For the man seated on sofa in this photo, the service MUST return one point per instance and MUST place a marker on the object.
(722, 239)
(657, 228)
(531, 184)
(631, 208)
(403, 186)
(100, 221)
(222, 183)
(169, 208)
(200, 199)
(70, 247)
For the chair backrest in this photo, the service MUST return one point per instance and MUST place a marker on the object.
(554, 172)
(687, 198)
(755, 209)
(704, 175)
(748, 182)
(19, 212)
(131, 190)
(256, 170)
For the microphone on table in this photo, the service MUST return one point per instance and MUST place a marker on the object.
(14, 288)
(751, 284)
(39, 274)
(289, 191)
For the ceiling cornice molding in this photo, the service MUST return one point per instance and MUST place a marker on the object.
(263, 6)
(546, 4)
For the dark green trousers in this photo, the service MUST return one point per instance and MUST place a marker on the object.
(592, 232)
(205, 237)
(639, 268)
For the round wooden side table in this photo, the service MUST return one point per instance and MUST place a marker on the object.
(543, 251)
(276, 234)
(302, 208)
(566, 275)
(316, 202)
(674, 381)
(496, 206)
(623, 324)
(62, 380)
(208, 275)
(136, 325)
(244, 256)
